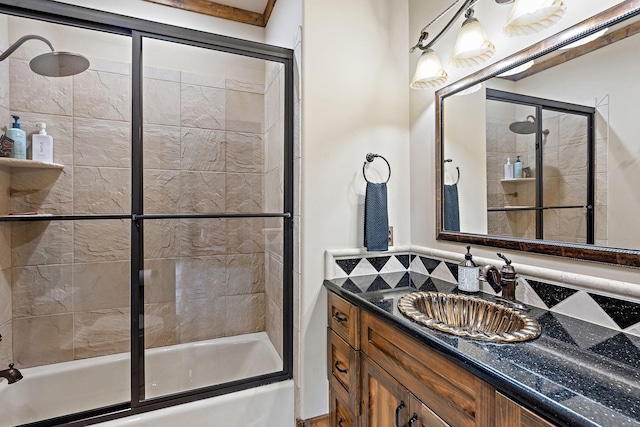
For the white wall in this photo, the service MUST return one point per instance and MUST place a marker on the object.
(422, 149)
(466, 146)
(355, 101)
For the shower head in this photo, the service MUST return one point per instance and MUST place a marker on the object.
(59, 64)
(51, 64)
(526, 127)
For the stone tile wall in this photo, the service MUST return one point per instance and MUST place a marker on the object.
(6, 347)
(274, 185)
(205, 141)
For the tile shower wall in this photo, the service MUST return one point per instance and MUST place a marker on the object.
(6, 347)
(274, 179)
(204, 145)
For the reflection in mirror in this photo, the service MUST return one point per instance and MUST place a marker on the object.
(547, 152)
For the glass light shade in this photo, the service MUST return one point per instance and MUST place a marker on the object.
(472, 45)
(470, 90)
(531, 16)
(429, 72)
(517, 70)
(585, 40)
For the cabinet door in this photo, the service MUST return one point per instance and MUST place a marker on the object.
(510, 414)
(340, 412)
(423, 416)
(384, 401)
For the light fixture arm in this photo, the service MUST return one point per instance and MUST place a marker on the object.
(19, 42)
(468, 4)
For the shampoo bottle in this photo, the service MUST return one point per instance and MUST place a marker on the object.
(468, 274)
(508, 169)
(42, 145)
(517, 168)
(19, 137)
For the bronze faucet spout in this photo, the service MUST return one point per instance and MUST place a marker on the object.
(504, 280)
(12, 375)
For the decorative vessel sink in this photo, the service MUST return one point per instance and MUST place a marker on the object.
(468, 317)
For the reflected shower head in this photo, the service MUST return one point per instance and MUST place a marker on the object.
(526, 127)
(51, 64)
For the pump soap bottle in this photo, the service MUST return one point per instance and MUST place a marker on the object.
(517, 168)
(468, 274)
(19, 137)
(42, 145)
(508, 169)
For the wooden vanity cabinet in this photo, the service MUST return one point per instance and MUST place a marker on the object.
(511, 414)
(382, 377)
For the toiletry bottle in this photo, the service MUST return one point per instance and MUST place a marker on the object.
(42, 145)
(508, 169)
(517, 168)
(468, 274)
(19, 137)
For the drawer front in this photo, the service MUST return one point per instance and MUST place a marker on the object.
(344, 366)
(344, 320)
(340, 412)
(452, 392)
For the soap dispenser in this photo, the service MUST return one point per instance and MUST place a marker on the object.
(468, 274)
(42, 145)
(19, 137)
(508, 169)
(517, 168)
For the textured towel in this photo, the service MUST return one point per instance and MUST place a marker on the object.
(376, 218)
(451, 208)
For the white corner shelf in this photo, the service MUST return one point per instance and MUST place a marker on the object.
(23, 163)
(518, 180)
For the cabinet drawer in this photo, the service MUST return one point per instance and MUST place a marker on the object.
(340, 411)
(452, 392)
(344, 320)
(344, 365)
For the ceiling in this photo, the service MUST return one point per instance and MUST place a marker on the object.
(253, 12)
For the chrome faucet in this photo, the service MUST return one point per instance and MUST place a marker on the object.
(12, 375)
(505, 281)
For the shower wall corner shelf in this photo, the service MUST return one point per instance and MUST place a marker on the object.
(518, 180)
(23, 163)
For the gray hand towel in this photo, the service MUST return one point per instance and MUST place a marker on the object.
(451, 208)
(376, 217)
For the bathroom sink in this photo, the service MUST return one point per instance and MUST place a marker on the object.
(468, 317)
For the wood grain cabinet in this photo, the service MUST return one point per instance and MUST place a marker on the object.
(381, 377)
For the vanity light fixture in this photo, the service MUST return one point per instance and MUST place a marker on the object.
(472, 44)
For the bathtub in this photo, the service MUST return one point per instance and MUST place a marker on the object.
(64, 388)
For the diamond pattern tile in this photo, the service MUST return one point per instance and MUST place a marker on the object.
(453, 268)
(442, 272)
(347, 265)
(378, 262)
(418, 267)
(393, 265)
(403, 260)
(364, 268)
(378, 284)
(351, 287)
(429, 264)
(624, 313)
(582, 306)
(550, 294)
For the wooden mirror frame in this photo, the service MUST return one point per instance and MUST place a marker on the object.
(621, 257)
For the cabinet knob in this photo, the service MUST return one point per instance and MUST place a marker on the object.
(400, 407)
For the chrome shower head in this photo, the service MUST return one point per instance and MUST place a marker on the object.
(525, 127)
(51, 64)
(59, 64)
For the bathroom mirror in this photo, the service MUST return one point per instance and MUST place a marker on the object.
(565, 107)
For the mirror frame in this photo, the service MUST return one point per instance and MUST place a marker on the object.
(621, 257)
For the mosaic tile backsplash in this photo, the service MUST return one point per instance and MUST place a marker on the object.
(613, 313)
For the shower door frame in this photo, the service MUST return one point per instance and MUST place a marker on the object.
(137, 29)
(541, 104)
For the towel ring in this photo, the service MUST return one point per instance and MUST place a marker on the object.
(457, 168)
(370, 157)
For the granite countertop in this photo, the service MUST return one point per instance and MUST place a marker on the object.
(555, 375)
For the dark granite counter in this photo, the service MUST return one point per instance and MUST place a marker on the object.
(576, 373)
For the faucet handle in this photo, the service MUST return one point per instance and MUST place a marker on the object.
(506, 260)
(10, 365)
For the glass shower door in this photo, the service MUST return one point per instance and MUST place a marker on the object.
(213, 196)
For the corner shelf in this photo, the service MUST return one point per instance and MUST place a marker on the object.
(518, 180)
(24, 163)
